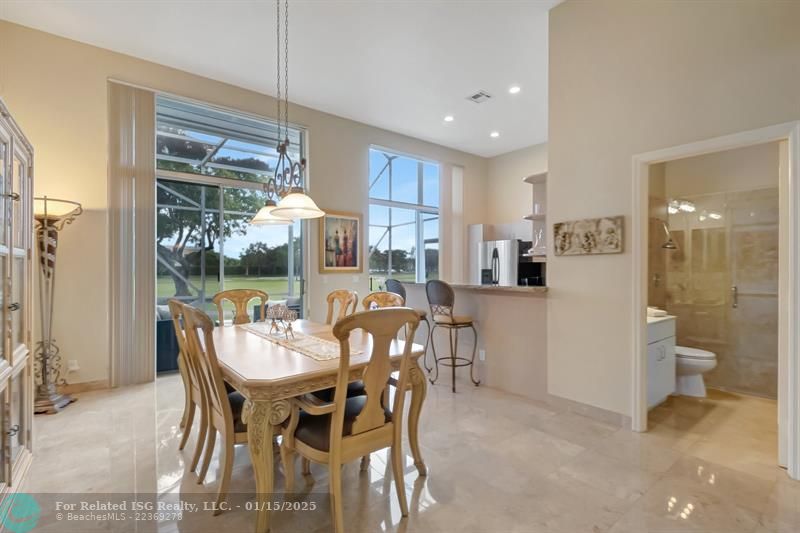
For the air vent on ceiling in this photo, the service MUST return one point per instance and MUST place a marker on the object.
(479, 97)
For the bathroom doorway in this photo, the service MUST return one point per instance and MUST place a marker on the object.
(713, 282)
(713, 233)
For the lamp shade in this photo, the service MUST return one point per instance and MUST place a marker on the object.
(52, 209)
(297, 205)
(266, 216)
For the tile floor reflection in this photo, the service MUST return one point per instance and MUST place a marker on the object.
(497, 463)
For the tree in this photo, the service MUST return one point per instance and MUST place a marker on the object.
(254, 257)
(181, 235)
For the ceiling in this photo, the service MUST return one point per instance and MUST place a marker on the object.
(400, 65)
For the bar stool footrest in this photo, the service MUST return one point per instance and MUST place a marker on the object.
(447, 361)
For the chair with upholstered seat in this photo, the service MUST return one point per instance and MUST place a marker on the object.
(193, 391)
(347, 301)
(224, 408)
(337, 432)
(240, 298)
(441, 299)
(395, 286)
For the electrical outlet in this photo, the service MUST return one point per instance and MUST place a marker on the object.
(72, 365)
(482, 355)
(356, 279)
(324, 280)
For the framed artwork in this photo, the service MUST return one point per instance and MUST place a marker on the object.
(340, 241)
(589, 237)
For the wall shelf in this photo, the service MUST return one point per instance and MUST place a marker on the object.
(535, 258)
(541, 177)
(540, 216)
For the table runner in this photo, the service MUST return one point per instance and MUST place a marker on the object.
(308, 345)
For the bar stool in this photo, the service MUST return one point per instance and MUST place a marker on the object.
(392, 285)
(441, 299)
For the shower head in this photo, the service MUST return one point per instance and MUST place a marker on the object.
(670, 244)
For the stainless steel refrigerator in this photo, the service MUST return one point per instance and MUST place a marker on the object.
(498, 262)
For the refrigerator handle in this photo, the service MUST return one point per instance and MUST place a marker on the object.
(495, 267)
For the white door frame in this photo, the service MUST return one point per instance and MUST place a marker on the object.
(789, 283)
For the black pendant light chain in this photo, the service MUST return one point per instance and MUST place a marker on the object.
(286, 70)
(278, 63)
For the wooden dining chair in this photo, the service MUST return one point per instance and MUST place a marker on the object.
(347, 301)
(337, 432)
(381, 299)
(193, 391)
(224, 408)
(240, 298)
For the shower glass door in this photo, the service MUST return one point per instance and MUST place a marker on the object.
(722, 284)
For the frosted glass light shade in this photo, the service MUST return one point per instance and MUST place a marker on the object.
(266, 216)
(297, 205)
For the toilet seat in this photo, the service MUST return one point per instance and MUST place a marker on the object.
(693, 353)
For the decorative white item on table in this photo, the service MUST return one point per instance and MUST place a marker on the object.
(281, 318)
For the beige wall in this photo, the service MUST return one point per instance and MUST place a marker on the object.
(656, 257)
(56, 89)
(743, 169)
(509, 198)
(628, 77)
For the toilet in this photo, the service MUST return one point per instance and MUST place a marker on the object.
(690, 365)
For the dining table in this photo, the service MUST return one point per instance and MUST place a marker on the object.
(269, 373)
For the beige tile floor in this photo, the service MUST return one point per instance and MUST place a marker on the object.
(497, 463)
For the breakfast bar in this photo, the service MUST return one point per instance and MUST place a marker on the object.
(511, 323)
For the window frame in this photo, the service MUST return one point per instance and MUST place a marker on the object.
(223, 183)
(421, 211)
(303, 137)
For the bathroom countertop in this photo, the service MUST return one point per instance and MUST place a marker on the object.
(657, 319)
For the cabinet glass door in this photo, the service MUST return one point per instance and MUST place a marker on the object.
(19, 256)
(5, 458)
(19, 179)
(5, 185)
(17, 424)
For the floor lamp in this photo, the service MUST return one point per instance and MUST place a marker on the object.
(50, 215)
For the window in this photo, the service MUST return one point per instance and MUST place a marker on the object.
(211, 166)
(403, 218)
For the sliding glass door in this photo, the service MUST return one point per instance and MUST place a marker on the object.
(211, 166)
(205, 244)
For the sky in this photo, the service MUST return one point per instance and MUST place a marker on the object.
(405, 188)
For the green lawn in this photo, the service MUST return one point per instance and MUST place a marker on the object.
(377, 280)
(276, 287)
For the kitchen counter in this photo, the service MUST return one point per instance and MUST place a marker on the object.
(520, 289)
(512, 337)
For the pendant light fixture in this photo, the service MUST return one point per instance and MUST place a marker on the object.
(286, 197)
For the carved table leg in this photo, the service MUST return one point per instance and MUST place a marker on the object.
(260, 417)
(419, 389)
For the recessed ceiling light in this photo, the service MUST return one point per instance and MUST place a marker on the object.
(494, 134)
(514, 89)
(449, 118)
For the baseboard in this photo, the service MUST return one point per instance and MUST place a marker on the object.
(86, 386)
(589, 411)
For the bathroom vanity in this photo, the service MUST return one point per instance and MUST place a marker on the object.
(660, 359)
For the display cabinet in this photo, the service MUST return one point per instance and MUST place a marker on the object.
(16, 311)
